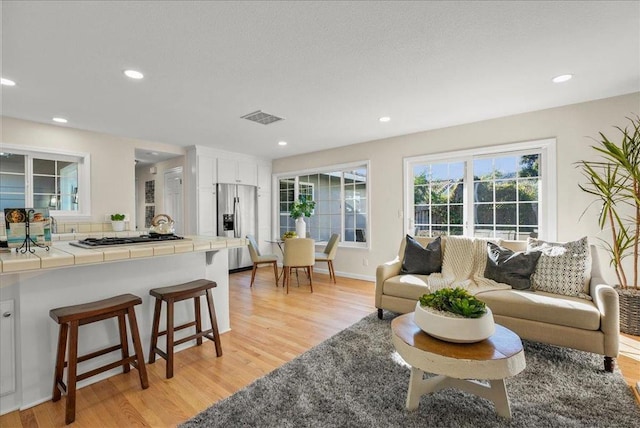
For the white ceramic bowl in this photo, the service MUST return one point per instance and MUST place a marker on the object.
(454, 329)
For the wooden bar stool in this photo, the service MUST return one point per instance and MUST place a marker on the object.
(176, 293)
(70, 318)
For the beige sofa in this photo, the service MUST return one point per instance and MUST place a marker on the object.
(573, 322)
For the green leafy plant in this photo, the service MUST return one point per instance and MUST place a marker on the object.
(302, 207)
(117, 217)
(454, 300)
(615, 182)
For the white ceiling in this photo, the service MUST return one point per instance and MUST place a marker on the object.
(331, 69)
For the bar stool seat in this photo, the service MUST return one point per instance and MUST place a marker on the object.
(70, 318)
(176, 293)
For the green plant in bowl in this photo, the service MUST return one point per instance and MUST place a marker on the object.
(455, 300)
(289, 234)
(117, 217)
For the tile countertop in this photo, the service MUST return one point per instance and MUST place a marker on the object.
(62, 254)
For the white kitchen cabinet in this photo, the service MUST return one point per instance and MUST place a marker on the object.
(206, 195)
(207, 211)
(232, 171)
(8, 348)
(206, 171)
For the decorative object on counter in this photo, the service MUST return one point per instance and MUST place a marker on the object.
(615, 182)
(454, 315)
(150, 191)
(162, 224)
(289, 234)
(300, 209)
(117, 222)
(26, 227)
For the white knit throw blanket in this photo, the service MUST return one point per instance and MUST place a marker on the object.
(463, 265)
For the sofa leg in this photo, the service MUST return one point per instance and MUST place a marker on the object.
(380, 313)
(609, 364)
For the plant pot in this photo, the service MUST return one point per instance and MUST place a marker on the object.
(629, 310)
(117, 225)
(454, 328)
(301, 227)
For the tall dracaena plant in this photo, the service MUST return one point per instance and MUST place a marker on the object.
(615, 181)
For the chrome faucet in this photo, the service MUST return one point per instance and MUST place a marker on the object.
(54, 225)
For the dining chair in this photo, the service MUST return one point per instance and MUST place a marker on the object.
(298, 253)
(259, 259)
(329, 254)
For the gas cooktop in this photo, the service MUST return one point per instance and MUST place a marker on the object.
(108, 242)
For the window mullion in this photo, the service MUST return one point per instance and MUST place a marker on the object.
(468, 201)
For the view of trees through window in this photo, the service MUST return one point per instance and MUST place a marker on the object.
(341, 203)
(504, 204)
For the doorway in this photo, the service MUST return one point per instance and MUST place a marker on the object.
(173, 197)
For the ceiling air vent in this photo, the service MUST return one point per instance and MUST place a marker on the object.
(261, 117)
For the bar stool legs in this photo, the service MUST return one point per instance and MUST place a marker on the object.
(70, 319)
(176, 293)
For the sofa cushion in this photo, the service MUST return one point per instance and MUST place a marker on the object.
(544, 307)
(406, 286)
(563, 268)
(510, 267)
(419, 260)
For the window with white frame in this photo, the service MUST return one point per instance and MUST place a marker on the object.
(341, 196)
(34, 179)
(502, 191)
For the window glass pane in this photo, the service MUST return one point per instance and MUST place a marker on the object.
(44, 184)
(10, 162)
(528, 214)
(483, 191)
(455, 214)
(484, 213)
(505, 167)
(505, 190)
(528, 190)
(506, 214)
(482, 168)
(529, 166)
(11, 183)
(11, 201)
(44, 166)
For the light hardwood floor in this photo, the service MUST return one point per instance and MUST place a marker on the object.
(269, 328)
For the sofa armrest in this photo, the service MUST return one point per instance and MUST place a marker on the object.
(384, 272)
(607, 301)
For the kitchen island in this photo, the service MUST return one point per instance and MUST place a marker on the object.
(33, 284)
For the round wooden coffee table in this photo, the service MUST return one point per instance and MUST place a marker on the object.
(494, 359)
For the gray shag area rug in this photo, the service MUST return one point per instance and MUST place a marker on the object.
(355, 379)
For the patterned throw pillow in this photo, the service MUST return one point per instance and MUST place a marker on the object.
(563, 268)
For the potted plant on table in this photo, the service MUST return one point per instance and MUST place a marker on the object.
(615, 182)
(454, 315)
(301, 208)
(117, 222)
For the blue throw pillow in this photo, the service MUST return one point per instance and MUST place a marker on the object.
(509, 267)
(422, 261)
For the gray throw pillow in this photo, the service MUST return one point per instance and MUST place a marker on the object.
(509, 267)
(422, 261)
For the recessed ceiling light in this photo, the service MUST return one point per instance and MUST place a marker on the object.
(282, 143)
(134, 74)
(562, 78)
(7, 82)
(384, 119)
(60, 120)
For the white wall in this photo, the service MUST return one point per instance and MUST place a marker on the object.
(112, 159)
(570, 125)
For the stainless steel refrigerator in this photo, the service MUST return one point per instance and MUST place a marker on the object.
(237, 205)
